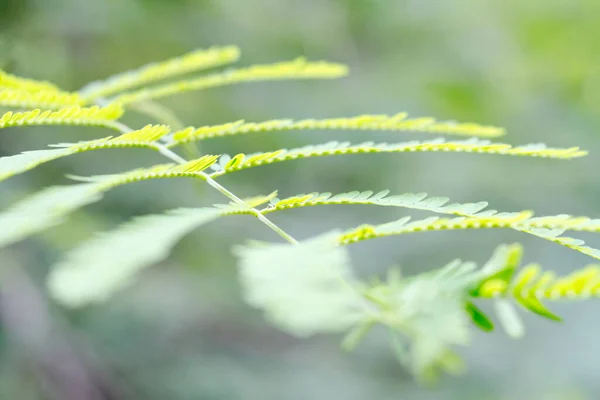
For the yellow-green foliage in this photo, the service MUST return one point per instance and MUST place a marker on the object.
(27, 99)
(74, 115)
(29, 85)
(195, 61)
(398, 122)
(304, 287)
(296, 69)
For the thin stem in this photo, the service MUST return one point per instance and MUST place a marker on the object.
(216, 185)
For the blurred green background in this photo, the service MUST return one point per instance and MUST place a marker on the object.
(182, 331)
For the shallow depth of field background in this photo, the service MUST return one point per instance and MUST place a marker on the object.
(182, 331)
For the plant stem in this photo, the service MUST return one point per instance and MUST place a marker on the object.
(216, 185)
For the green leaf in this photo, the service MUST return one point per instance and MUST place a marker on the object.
(13, 165)
(46, 99)
(304, 289)
(398, 122)
(478, 317)
(509, 319)
(73, 115)
(194, 61)
(43, 210)
(343, 148)
(296, 69)
(99, 267)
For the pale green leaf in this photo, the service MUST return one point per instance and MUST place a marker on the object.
(305, 288)
(43, 210)
(194, 61)
(19, 163)
(508, 318)
(73, 115)
(49, 99)
(343, 148)
(296, 69)
(101, 266)
(108, 262)
(398, 122)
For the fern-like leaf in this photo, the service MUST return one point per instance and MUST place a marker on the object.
(415, 201)
(193, 169)
(540, 226)
(98, 268)
(103, 265)
(242, 161)
(553, 235)
(29, 85)
(75, 115)
(297, 69)
(398, 122)
(520, 221)
(43, 210)
(304, 289)
(426, 316)
(530, 286)
(145, 137)
(47, 99)
(13, 165)
(194, 61)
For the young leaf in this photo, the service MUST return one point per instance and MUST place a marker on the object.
(108, 262)
(398, 122)
(296, 69)
(509, 319)
(13, 165)
(98, 268)
(336, 148)
(43, 210)
(145, 137)
(49, 99)
(9, 81)
(194, 61)
(74, 115)
(481, 320)
(304, 289)
(415, 201)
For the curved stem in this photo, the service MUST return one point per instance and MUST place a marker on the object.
(221, 189)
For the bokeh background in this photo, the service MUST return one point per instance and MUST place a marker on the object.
(182, 331)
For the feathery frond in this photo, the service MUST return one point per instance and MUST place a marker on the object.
(194, 61)
(145, 137)
(107, 263)
(520, 221)
(415, 201)
(74, 115)
(553, 235)
(99, 267)
(29, 85)
(426, 317)
(419, 201)
(242, 161)
(40, 99)
(398, 122)
(530, 286)
(296, 69)
(43, 210)
(17, 164)
(403, 225)
(304, 289)
(191, 169)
